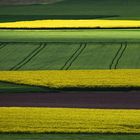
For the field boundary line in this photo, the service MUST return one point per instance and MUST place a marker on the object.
(64, 28)
(71, 56)
(115, 57)
(121, 55)
(80, 51)
(29, 57)
(88, 41)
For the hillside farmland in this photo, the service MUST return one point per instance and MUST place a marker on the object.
(66, 55)
(70, 69)
(73, 9)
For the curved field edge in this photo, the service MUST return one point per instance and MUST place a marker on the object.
(66, 120)
(70, 136)
(73, 24)
(60, 79)
(7, 87)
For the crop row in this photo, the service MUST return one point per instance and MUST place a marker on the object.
(73, 56)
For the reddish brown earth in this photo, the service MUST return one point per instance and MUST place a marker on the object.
(89, 99)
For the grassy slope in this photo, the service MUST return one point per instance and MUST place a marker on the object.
(53, 56)
(68, 137)
(130, 57)
(65, 56)
(15, 88)
(74, 9)
(12, 54)
(96, 56)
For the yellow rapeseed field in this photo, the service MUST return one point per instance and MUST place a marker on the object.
(74, 78)
(66, 120)
(72, 24)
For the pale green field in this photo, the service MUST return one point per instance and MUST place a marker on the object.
(98, 35)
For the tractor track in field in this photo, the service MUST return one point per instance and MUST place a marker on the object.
(121, 55)
(113, 60)
(74, 56)
(29, 57)
(2, 45)
(74, 99)
(63, 67)
(80, 51)
(118, 56)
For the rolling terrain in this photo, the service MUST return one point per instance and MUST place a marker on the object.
(73, 56)
(69, 50)
(73, 9)
(69, 69)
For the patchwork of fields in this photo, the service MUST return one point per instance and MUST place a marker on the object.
(73, 56)
(70, 70)
(51, 61)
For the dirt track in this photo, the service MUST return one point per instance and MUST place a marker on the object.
(110, 100)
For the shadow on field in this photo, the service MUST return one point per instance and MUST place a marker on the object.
(8, 87)
(14, 18)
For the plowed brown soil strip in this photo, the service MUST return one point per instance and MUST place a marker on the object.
(89, 99)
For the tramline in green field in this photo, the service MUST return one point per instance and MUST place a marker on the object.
(66, 55)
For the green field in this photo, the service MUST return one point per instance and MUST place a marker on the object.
(69, 49)
(68, 137)
(87, 35)
(15, 88)
(66, 55)
(73, 9)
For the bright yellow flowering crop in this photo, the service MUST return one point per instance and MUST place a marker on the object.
(74, 78)
(65, 120)
(72, 24)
